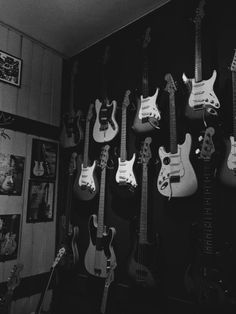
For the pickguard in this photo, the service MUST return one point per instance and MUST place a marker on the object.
(86, 179)
(231, 161)
(148, 108)
(124, 174)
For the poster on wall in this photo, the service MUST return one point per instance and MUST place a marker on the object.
(40, 201)
(9, 236)
(11, 174)
(43, 159)
(10, 69)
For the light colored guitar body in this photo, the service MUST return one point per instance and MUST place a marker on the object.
(99, 262)
(38, 169)
(202, 99)
(147, 115)
(86, 183)
(125, 174)
(228, 169)
(108, 129)
(177, 177)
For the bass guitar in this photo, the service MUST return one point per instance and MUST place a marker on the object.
(147, 115)
(105, 127)
(12, 282)
(176, 177)
(142, 264)
(202, 99)
(100, 256)
(86, 183)
(228, 169)
(72, 133)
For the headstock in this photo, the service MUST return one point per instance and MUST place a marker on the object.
(200, 12)
(60, 253)
(126, 100)
(72, 165)
(147, 37)
(233, 64)
(104, 156)
(208, 147)
(90, 112)
(14, 278)
(145, 153)
(170, 86)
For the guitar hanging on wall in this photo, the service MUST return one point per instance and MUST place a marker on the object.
(105, 127)
(147, 115)
(176, 177)
(142, 265)
(202, 99)
(72, 133)
(100, 256)
(86, 183)
(228, 169)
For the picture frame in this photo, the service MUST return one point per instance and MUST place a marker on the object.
(40, 206)
(44, 159)
(10, 69)
(9, 236)
(11, 174)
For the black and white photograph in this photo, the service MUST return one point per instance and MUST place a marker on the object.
(10, 69)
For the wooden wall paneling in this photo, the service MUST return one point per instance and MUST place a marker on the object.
(23, 103)
(36, 81)
(3, 47)
(56, 91)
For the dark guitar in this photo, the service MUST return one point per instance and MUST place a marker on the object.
(9, 244)
(142, 265)
(100, 256)
(147, 115)
(202, 100)
(72, 133)
(205, 278)
(12, 282)
(86, 183)
(70, 233)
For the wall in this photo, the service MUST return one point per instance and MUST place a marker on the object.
(38, 98)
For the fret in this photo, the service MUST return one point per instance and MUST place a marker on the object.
(143, 212)
(173, 132)
(145, 87)
(123, 135)
(198, 58)
(100, 227)
(86, 145)
(234, 103)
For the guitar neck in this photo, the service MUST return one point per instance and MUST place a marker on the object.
(173, 132)
(123, 135)
(198, 56)
(86, 144)
(234, 103)
(144, 203)
(100, 227)
(145, 87)
(104, 299)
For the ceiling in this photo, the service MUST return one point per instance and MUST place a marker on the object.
(70, 26)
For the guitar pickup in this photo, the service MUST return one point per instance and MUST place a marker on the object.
(174, 179)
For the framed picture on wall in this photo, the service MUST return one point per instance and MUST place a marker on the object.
(10, 69)
(43, 159)
(11, 174)
(40, 205)
(9, 236)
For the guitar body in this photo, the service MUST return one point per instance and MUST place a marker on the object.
(177, 177)
(142, 265)
(147, 114)
(98, 261)
(228, 169)
(86, 183)
(202, 99)
(105, 126)
(125, 175)
(38, 169)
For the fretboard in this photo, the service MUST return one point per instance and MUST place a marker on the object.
(145, 87)
(234, 103)
(198, 55)
(86, 144)
(144, 204)
(100, 227)
(123, 134)
(173, 131)
(207, 212)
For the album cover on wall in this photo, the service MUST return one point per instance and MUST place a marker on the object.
(11, 174)
(43, 159)
(9, 236)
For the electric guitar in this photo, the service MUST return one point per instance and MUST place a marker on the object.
(142, 264)
(105, 127)
(39, 308)
(147, 115)
(228, 169)
(124, 174)
(204, 278)
(86, 183)
(72, 133)
(176, 177)
(12, 282)
(70, 234)
(202, 100)
(100, 256)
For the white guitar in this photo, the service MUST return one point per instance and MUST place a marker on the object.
(177, 177)
(125, 174)
(105, 126)
(148, 114)
(202, 99)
